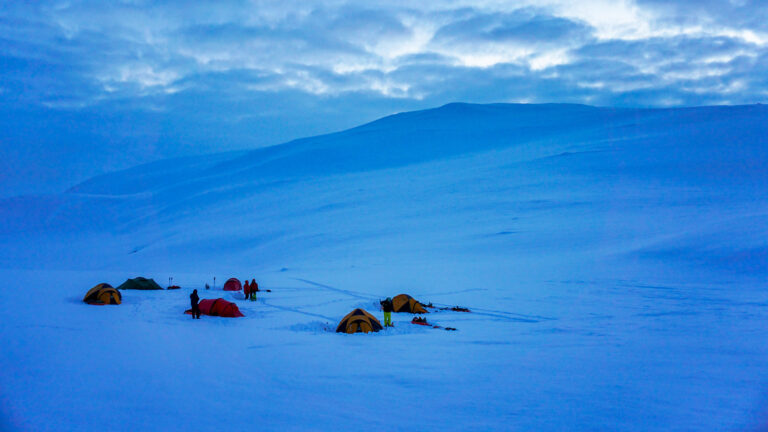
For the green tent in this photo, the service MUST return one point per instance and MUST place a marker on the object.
(140, 283)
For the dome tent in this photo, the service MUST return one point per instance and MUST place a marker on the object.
(406, 303)
(232, 284)
(359, 321)
(140, 283)
(102, 294)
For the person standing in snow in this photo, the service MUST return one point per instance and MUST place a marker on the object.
(194, 298)
(387, 307)
(246, 290)
(254, 289)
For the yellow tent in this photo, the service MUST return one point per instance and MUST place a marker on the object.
(103, 293)
(359, 321)
(406, 303)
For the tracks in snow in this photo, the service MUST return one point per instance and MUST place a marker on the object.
(499, 314)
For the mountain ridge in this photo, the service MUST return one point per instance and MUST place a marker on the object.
(405, 138)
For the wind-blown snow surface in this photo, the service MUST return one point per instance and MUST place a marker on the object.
(615, 261)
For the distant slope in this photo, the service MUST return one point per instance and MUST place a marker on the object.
(420, 136)
(396, 140)
(149, 176)
(454, 172)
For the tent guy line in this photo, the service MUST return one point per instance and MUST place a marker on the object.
(354, 294)
(515, 317)
(296, 310)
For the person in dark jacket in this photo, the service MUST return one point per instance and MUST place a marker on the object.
(387, 307)
(194, 298)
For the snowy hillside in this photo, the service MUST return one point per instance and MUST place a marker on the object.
(615, 261)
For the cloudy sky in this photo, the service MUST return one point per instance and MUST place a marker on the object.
(92, 86)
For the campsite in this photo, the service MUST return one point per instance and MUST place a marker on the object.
(397, 216)
(357, 321)
(567, 305)
(295, 324)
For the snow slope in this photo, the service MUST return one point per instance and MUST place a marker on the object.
(615, 260)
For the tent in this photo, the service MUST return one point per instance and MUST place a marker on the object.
(140, 283)
(232, 284)
(406, 303)
(359, 321)
(218, 307)
(103, 293)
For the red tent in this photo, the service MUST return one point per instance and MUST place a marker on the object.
(232, 285)
(218, 307)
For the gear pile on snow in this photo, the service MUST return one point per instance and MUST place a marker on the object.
(423, 321)
(452, 308)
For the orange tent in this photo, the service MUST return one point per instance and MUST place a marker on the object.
(218, 307)
(232, 284)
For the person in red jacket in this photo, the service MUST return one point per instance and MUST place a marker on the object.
(246, 289)
(254, 289)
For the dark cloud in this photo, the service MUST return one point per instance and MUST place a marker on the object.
(525, 26)
(133, 81)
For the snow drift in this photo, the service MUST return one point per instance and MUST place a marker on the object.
(614, 260)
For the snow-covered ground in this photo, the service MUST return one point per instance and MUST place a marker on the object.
(614, 259)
